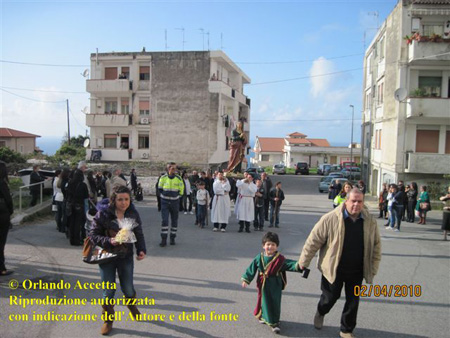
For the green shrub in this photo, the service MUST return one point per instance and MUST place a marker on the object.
(10, 156)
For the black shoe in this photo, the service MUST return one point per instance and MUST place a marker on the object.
(266, 219)
(270, 226)
(240, 230)
(163, 242)
(247, 231)
(172, 241)
(277, 226)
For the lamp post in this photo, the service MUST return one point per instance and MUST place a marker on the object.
(351, 141)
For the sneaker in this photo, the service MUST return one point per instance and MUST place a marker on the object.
(396, 230)
(191, 213)
(318, 320)
(223, 230)
(261, 321)
(185, 213)
(347, 334)
(387, 227)
(276, 329)
(215, 229)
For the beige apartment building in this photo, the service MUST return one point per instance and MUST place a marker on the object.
(406, 115)
(165, 106)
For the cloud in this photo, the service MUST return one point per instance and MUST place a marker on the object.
(321, 84)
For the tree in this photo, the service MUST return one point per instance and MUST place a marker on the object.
(10, 156)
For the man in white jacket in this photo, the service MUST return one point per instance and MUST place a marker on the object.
(220, 212)
(246, 207)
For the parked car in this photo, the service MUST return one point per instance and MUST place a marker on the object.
(333, 168)
(279, 169)
(336, 175)
(352, 173)
(302, 168)
(322, 168)
(324, 183)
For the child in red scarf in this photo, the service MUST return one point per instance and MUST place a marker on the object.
(271, 267)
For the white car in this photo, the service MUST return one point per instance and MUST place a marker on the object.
(279, 169)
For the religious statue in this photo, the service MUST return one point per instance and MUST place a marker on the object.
(238, 143)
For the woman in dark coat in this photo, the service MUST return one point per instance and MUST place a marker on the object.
(6, 210)
(77, 192)
(446, 215)
(411, 194)
(103, 232)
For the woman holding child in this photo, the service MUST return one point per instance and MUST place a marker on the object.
(105, 228)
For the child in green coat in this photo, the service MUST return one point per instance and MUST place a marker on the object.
(271, 267)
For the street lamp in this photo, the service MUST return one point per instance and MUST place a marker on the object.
(351, 141)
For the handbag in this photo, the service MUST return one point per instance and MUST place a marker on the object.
(425, 206)
(94, 254)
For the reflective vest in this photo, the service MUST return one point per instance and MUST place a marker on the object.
(171, 188)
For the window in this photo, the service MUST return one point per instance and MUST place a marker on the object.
(382, 49)
(124, 106)
(380, 93)
(377, 139)
(144, 106)
(429, 30)
(125, 73)
(144, 142)
(2, 144)
(427, 141)
(110, 73)
(144, 73)
(265, 157)
(110, 141)
(110, 106)
(430, 85)
(447, 142)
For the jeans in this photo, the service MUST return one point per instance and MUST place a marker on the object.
(259, 217)
(185, 199)
(201, 214)
(392, 215)
(277, 214)
(169, 207)
(411, 210)
(124, 268)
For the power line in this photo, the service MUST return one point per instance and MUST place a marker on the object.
(41, 64)
(43, 90)
(28, 98)
(297, 61)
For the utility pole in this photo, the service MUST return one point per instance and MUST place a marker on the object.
(68, 123)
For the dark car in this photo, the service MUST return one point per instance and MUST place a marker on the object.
(256, 172)
(302, 168)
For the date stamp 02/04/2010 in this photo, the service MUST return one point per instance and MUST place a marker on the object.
(396, 291)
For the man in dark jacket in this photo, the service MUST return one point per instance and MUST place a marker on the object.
(276, 196)
(267, 186)
(35, 190)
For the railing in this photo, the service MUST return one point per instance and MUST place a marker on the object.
(27, 186)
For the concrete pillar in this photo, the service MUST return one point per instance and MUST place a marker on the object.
(442, 135)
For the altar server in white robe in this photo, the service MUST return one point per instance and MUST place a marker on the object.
(221, 206)
(246, 207)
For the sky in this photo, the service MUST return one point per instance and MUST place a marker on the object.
(304, 57)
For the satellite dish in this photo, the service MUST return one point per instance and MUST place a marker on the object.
(86, 143)
(85, 73)
(84, 110)
(400, 94)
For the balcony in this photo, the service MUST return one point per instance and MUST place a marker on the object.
(430, 107)
(223, 88)
(108, 87)
(420, 50)
(107, 120)
(426, 163)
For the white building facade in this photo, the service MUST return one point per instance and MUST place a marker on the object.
(406, 115)
(165, 106)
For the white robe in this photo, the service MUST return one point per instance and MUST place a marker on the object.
(221, 206)
(246, 205)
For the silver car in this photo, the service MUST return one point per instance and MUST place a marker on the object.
(324, 183)
(279, 169)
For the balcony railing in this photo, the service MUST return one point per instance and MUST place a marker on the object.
(108, 120)
(426, 163)
(429, 50)
(109, 86)
(216, 86)
(430, 107)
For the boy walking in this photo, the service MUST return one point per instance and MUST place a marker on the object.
(202, 201)
(271, 280)
(258, 223)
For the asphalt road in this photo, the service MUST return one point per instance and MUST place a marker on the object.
(199, 277)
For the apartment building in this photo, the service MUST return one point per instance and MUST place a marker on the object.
(406, 95)
(165, 106)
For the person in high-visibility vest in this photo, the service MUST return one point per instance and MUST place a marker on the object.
(171, 189)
